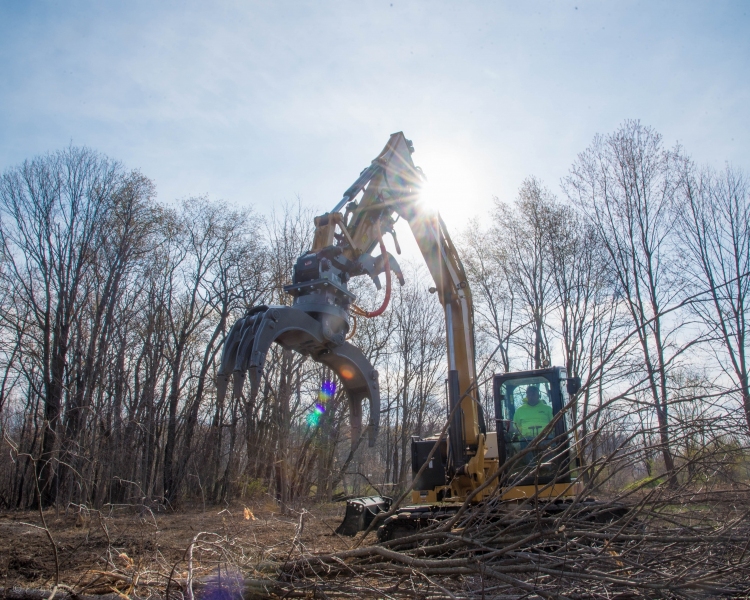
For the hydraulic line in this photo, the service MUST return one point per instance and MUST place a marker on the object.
(387, 267)
(354, 328)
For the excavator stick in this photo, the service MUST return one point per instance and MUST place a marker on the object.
(250, 339)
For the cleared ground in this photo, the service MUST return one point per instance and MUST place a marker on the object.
(130, 549)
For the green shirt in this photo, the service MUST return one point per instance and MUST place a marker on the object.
(530, 420)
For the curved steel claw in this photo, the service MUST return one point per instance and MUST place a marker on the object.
(251, 337)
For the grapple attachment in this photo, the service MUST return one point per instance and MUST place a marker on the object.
(318, 322)
(250, 338)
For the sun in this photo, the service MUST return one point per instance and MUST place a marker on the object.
(452, 186)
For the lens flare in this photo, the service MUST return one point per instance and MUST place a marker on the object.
(326, 393)
(328, 389)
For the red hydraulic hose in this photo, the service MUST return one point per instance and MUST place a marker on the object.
(387, 267)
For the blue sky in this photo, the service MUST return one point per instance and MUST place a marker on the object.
(259, 102)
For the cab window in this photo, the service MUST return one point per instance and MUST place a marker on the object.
(528, 405)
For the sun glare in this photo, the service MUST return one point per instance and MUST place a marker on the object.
(452, 185)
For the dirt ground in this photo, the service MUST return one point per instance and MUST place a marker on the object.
(126, 549)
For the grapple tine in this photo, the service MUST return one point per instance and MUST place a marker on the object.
(355, 418)
(229, 353)
(254, 374)
(228, 358)
(360, 380)
(222, 382)
(238, 380)
(234, 358)
(247, 336)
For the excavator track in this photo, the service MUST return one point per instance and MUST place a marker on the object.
(409, 520)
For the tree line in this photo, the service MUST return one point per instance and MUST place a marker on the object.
(114, 308)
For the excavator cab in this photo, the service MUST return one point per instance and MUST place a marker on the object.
(530, 445)
(531, 423)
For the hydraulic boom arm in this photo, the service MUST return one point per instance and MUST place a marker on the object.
(394, 187)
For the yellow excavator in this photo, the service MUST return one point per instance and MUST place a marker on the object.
(529, 405)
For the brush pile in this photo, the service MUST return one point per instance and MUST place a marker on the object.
(670, 544)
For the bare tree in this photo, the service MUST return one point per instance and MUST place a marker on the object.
(113, 310)
(486, 259)
(126, 235)
(626, 184)
(715, 235)
(524, 231)
(54, 210)
(208, 234)
(586, 312)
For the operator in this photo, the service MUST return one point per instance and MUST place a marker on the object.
(533, 415)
